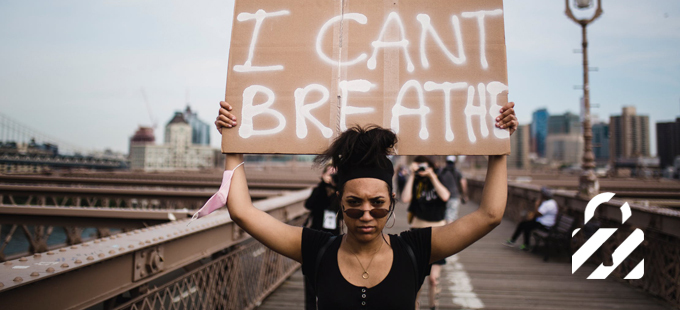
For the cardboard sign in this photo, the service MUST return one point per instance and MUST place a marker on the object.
(302, 71)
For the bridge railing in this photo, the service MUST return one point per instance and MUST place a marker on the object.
(211, 264)
(661, 227)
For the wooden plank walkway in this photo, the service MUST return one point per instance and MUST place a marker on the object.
(489, 275)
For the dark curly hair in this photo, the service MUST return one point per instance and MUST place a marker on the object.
(357, 146)
(360, 149)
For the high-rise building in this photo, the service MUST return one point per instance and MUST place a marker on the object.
(564, 148)
(177, 153)
(519, 144)
(564, 143)
(200, 131)
(601, 142)
(629, 135)
(668, 142)
(566, 123)
(539, 131)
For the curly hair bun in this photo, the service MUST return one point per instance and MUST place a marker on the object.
(361, 147)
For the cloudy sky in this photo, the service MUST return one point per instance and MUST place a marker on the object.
(75, 69)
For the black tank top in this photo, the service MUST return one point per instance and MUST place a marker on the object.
(397, 291)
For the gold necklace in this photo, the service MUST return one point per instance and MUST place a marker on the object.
(365, 275)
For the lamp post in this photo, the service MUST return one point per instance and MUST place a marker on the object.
(588, 183)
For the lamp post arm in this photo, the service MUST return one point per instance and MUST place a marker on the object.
(569, 13)
(598, 12)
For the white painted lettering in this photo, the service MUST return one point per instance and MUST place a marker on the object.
(249, 111)
(399, 110)
(259, 17)
(345, 87)
(403, 43)
(302, 111)
(447, 88)
(426, 26)
(495, 89)
(480, 110)
(482, 31)
(359, 18)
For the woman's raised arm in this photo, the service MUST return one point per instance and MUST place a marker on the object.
(276, 235)
(454, 237)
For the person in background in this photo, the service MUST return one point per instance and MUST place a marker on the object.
(323, 204)
(427, 197)
(323, 207)
(543, 217)
(457, 186)
(402, 175)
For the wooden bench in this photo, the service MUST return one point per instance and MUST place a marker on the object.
(558, 237)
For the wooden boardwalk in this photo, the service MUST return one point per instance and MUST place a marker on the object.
(489, 275)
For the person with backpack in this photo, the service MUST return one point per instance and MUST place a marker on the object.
(364, 267)
(457, 186)
(427, 197)
(323, 204)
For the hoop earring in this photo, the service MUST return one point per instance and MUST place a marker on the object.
(394, 218)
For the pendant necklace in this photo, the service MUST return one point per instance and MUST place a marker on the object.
(365, 275)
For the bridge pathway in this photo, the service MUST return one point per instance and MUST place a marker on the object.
(489, 275)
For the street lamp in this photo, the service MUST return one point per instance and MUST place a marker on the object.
(583, 4)
(588, 185)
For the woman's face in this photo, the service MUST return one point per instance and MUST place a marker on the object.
(365, 194)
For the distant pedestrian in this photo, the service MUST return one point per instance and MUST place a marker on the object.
(457, 186)
(402, 175)
(323, 204)
(543, 217)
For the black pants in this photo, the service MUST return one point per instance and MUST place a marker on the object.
(526, 227)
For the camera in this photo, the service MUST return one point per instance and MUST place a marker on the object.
(421, 167)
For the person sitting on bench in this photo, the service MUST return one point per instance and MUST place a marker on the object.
(542, 218)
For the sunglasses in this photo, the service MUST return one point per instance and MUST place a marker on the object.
(375, 213)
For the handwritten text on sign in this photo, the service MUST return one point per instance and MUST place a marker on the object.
(302, 71)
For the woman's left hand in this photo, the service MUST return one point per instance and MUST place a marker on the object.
(507, 119)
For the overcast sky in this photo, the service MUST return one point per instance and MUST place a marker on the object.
(75, 69)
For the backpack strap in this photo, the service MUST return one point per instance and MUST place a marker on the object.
(317, 264)
(414, 263)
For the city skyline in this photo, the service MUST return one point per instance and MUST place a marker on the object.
(76, 70)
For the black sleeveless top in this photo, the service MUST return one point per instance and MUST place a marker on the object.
(397, 291)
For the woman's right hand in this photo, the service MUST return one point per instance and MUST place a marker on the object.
(225, 119)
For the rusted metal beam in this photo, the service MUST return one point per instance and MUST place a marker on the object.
(88, 217)
(208, 182)
(122, 192)
(84, 275)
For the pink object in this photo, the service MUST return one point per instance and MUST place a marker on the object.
(217, 200)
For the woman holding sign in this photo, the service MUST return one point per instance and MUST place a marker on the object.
(364, 268)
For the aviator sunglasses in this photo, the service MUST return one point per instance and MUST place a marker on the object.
(375, 213)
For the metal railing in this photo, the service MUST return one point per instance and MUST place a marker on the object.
(168, 266)
(661, 227)
(238, 280)
(42, 213)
